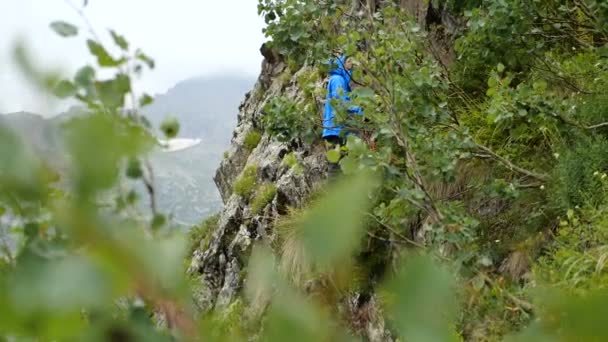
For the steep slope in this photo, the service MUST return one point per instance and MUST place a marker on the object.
(219, 265)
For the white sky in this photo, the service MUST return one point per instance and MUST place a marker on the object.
(187, 38)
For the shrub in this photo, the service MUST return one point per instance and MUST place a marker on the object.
(576, 183)
(263, 196)
(252, 139)
(246, 182)
(290, 160)
(198, 236)
(286, 120)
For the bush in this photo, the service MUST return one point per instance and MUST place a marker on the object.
(290, 160)
(575, 261)
(246, 182)
(264, 195)
(286, 120)
(252, 139)
(198, 236)
(576, 183)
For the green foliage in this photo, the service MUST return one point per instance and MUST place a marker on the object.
(64, 29)
(294, 27)
(252, 139)
(199, 235)
(263, 196)
(228, 323)
(350, 199)
(290, 160)
(517, 33)
(78, 250)
(286, 120)
(245, 184)
(134, 169)
(577, 173)
(419, 289)
(170, 127)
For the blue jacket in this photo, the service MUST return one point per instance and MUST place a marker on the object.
(338, 87)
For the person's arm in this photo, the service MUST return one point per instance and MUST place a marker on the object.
(341, 86)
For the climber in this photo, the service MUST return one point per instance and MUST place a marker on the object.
(338, 87)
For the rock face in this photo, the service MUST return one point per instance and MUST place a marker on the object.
(220, 265)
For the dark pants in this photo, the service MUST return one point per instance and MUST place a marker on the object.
(333, 141)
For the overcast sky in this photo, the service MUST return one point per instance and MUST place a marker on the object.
(187, 38)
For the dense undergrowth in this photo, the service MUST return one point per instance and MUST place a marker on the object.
(479, 215)
(492, 161)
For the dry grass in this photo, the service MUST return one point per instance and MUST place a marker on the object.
(516, 265)
(294, 264)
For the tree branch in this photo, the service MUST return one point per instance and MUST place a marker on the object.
(510, 165)
(603, 124)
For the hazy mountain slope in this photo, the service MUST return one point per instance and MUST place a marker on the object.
(207, 109)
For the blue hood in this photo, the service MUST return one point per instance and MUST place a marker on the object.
(338, 65)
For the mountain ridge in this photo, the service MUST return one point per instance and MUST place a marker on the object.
(190, 170)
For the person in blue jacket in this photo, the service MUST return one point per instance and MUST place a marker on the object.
(338, 87)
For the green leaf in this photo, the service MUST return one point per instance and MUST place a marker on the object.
(64, 29)
(333, 156)
(145, 100)
(119, 40)
(104, 59)
(568, 317)
(112, 93)
(85, 76)
(158, 221)
(145, 58)
(349, 165)
(333, 228)
(134, 170)
(500, 67)
(97, 144)
(170, 127)
(365, 93)
(423, 303)
(65, 89)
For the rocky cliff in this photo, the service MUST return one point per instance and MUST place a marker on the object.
(219, 265)
(220, 262)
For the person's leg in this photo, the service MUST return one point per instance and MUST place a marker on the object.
(334, 168)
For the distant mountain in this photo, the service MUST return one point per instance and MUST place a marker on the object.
(207, 110)
(205, 106)
(41, 133)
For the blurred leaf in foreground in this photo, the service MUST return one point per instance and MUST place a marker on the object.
(292, 316)
(566, 317)
(422, 301)
(64, 29)
(97, 143)
(333, 228)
